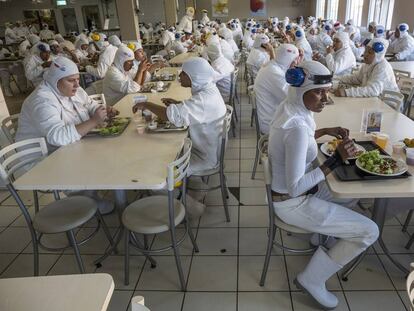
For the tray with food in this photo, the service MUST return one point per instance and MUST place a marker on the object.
(151, 87)
(329, 148)
(373, 164)
(112, 128)
(163, 126)
(164, 77)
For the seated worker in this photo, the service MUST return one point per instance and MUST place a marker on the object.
(37, 63)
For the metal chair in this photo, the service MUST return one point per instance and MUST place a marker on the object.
(410, 287)
(233, 96)
(406, 86)
(157, 58)
(252, 100)
(401, 74)
(160, 213)
(393, 99)
(220, 168)
(9, 126)
(274, 221)
(98, 98)
(61, 216)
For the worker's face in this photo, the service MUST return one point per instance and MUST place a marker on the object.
(185, 79)
(68, 86)
(140, 55)
(316, 99)
(371, 29)
(369, 55)
(397, 33)
(337, 44)
(56, 49)
(84, 46)
(128, 65)
(45, 56)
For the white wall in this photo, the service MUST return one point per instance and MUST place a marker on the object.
(152, 11)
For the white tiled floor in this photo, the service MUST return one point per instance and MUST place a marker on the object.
(224, 275)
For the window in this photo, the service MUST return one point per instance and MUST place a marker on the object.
(320, 9)
(381, 11)
(354, 11)
(332, 11)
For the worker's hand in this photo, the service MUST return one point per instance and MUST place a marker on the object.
(100, 115)
(329, 49)
(340, 92)
(144, 65)
(111, 112)
(46, 64)
(346, 149)
(138, 106)
(169, 101)
(337, 132)
(316, 56)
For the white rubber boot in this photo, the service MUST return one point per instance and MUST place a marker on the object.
(312, 280)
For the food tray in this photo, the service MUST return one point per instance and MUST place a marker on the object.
(166, 127)
(350, 172)
(122, 127)
(171, 77)
(147, 87)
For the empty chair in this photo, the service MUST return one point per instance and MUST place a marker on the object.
(393, 99)
(161, 213)
(9, 126)
(61, 216)
(98, 98)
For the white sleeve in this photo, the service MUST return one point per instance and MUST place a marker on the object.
(297, 180)
(373, 88)
(406, 49)
(124, 84)
(178, 115)
(33, 70)
(352, 79)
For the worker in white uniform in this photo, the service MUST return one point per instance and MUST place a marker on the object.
(186, 23)
(227, 35)
(247, 39)
(312, 37)
(33, 29)
(324, 39)
(24, 47)
(4, 70)
(81, 50)
(403, 45)
(300, 196)
(260, 54)
(177, 46)
(106, 58)
(356, 47)
(46, 34)
(204, 18)
(9, 35)
(21, 30)
(141, 58)
(339, 58)
(302, 43)
(66, 45)
(270, 86)
(203, 113)
(223, 70)
(374, 76)
(117, 82)
(37, 63)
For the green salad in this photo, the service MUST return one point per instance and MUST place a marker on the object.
(373, 162)
(114, 127)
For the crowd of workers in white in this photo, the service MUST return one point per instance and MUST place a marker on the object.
(292, 64)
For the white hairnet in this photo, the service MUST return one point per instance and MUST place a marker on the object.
(379, 56)
(135, 45)
(212, 39)
(403, 28)
(114, 40)
(200, 72)
(299, 34)
(122, 55)
(380, 31)
(344, 38)
(53, 42)
(259, 40)
(59, 38)
(293, 108)
(225, 33)
(214, 52)
(285, 54)
(39, 47)
(33, 39)
(81, 41)
(61, 67)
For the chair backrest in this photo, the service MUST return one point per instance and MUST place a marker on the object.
(9, 126)
(225, 133)
(98, 98)
(14, 157)
(177, 170)
(252, 98)
(250, 74)
(157, 58)
(233, 83)
(393, 99)
(401, 74)
(410, 287)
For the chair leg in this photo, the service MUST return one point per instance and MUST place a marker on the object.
(36, 201)
(252, 118)
(72, 241)
(145, 241)
(139, 245)
(126, 258)
(256, 159)
(270, 239)
(106, 231)
(177, 259)
(56, 195)
(192, 238)
(407, 220)
(35, 258)
(410, 242)
(224, 195)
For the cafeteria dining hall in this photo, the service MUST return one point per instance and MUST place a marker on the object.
(199, 155)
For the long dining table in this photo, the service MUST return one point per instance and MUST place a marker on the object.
(179, 59)
(347, 112)
(130, 161)
(404, 66)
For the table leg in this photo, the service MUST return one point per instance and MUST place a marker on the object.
(378, 216)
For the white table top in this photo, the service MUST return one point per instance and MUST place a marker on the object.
(90, 292)
(347, 112)
(405, 66)
(181, 58)
(130, 161)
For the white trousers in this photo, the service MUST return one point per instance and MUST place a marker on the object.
(320, 214)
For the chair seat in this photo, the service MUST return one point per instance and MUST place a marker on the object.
(289, 228)
(64, 215)
(150, 215)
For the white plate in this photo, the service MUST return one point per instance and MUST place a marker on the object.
(325, 150)
(401, 168)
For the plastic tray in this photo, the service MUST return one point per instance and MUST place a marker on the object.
(162, 128)
(96, 132)
(147, 87)
(350, 172)
(160, 78)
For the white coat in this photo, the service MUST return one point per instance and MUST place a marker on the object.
(46, 35)
(45, 114)
(186, 24)
(223, 69)
(104, 62)
(227, 50)
(205, 19)
(324, 40)
(10, 36)
(247, 40)
(371, 80)
(178, 47)
(341, 62)
(203, 113)
(24, 48)
(34, 70)
(403, 47)
(256, 59)
(303, 44)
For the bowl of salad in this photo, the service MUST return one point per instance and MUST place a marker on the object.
(372, 162)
